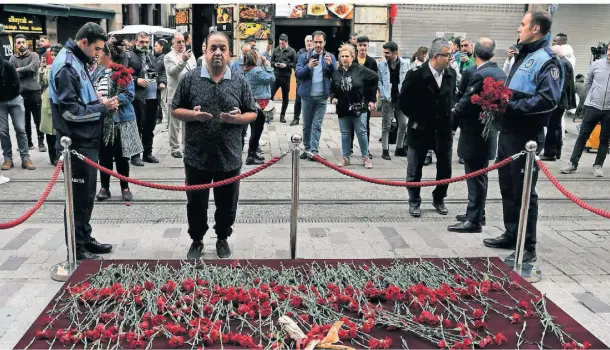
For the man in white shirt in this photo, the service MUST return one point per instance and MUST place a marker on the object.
(177, 63)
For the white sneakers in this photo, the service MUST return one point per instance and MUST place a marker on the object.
(597, 171)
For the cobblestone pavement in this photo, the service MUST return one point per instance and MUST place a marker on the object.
(343, 220)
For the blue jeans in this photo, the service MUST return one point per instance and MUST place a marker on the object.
(16, 110)
(359, 125)
(312, 112)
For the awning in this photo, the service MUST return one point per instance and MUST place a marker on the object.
(60, 10)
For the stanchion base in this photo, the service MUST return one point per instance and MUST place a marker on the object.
(61, 272)
(4, 180)
(530, 272)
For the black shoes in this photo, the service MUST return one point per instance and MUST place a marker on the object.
(137, 161)
(176, 154)
(440, 207)
(414, 210)
(84, 254)
(462, 218)
(304, 156)
(103, 194)
(386, 155)
(126, 194)
(96, 247)
(222, 249)
(400, 152)
(548, 158)
(149, 158)
(253, 161)
(502, 242)
(294, 122)
(529, 256)
(195, 250)
(465, 227)
(282, 119)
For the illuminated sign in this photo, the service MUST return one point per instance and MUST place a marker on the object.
(21, 23)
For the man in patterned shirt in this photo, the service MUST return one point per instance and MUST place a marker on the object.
(215, 103)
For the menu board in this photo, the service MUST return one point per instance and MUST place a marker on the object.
(224, 15)
(258, 30)
(255, 13)
(322, 11)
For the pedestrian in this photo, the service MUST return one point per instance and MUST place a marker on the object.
(160, 50)
(419, 57)
(188, 41)
(215, 103)
(27, 64)
(283, 61)
(11, 103)
(535, 81)
(581, 92)
(297, 101)
(354, 91)
(44, 49)
(427, 97)
(46, 118)
(201, 60)
(77, 113)
(237, 65)
(475, 149)
(553, 141)
(143, 63)
(177, 63)
(466, 58)
(259, 76)
(510, 59)
(561, 39)
(315, 70)
(120, 147)
(597, 111)
(392, 73)
(353, 40)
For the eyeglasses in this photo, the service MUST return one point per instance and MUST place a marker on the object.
(447, 55)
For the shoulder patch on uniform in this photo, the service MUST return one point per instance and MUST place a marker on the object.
(529, 63)
(83, 75)
(555, 73)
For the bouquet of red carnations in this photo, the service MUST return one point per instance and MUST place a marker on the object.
(120, 78)
(493, 101)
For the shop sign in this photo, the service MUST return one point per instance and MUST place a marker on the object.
(182, 17)
(321, 11)
(6, 46)
(21, 23)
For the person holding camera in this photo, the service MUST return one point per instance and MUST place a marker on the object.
(354, 90)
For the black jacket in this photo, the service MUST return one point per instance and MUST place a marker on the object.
(471, 144)
(355, 87)
(287, 56)
(428, 106)
(568, 93)
(144, 66)
(9, 81)
(370, 63)
(161, 74)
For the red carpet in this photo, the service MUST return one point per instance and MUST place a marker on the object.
(388, 303)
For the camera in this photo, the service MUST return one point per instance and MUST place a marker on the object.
(599, 51)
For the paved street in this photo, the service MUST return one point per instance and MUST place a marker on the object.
(339, 218)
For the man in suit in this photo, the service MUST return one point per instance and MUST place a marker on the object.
(427, 98)
(475, 149)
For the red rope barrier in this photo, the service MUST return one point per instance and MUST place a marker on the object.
(20, 220)
(570, 196)
(416, 184)
(180, 188)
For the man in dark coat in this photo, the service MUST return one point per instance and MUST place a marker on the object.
(427, 98)
(475, 149)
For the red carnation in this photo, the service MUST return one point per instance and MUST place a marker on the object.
(176, 341)
(442, 344)
(46, 334)
(500, 339)
(478, 314)
(515, 318)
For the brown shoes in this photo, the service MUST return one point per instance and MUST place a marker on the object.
(7, 165)
(28, 165)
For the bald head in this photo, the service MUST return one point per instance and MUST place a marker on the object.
(245, 48)
(484, 49)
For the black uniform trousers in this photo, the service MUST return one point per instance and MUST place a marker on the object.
(32, 103)
(553, 141)
(146, 118)
(225, 200)
(284, 84)
(111, 153)
(511, 178)
(51, 140)
(477, 189)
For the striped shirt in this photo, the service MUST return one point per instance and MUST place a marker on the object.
(102, 86)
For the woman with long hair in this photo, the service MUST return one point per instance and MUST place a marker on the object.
(121, 138)
(259, 74)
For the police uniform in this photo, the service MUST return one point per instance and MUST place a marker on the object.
(77, 114)
(536, 80)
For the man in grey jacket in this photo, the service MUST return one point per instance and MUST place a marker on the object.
(27, 63)
(597, 110)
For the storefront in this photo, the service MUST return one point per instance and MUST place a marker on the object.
(32, 26)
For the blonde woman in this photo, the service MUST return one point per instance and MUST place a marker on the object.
(354, 91)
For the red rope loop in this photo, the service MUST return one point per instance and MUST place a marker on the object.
(43, 197)
(181, 188)
(570, 196)
(416, 184)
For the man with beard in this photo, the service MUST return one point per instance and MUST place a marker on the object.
(466, 59)
(142, 61)
(44, 49)
(216, 104)
(535, 80)
(297, 101)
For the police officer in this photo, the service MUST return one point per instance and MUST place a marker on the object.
(536, 80)
(77, 114)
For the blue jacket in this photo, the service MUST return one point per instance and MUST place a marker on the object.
(536, 81)
(304, 74)
(260, 80)
(126, 112)
(385, 90)
(236, 65)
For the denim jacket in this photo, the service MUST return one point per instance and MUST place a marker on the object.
(304, 74)
(260, 80)
(385, 90)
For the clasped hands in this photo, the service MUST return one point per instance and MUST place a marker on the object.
(232, 117)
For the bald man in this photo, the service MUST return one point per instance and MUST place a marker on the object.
(237, 64)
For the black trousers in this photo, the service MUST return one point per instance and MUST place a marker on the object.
(109, 154)
(368, 132)
(146, 118)
(51, 139)
(284, 84)
(477, 190)
(225, 200)
(256, 131)
(32, 104)
(511, 179)
(553, 141)
(416, 156)
(593, 116)
(297, 107)
(84, 182)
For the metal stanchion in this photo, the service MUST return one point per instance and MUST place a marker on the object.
(530, 148)
(294, 207)
(62, 271)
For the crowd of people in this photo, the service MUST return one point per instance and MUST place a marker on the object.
(210, 103)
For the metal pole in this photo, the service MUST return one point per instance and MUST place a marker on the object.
(62, 271)
(294, 207)
(530, 148)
